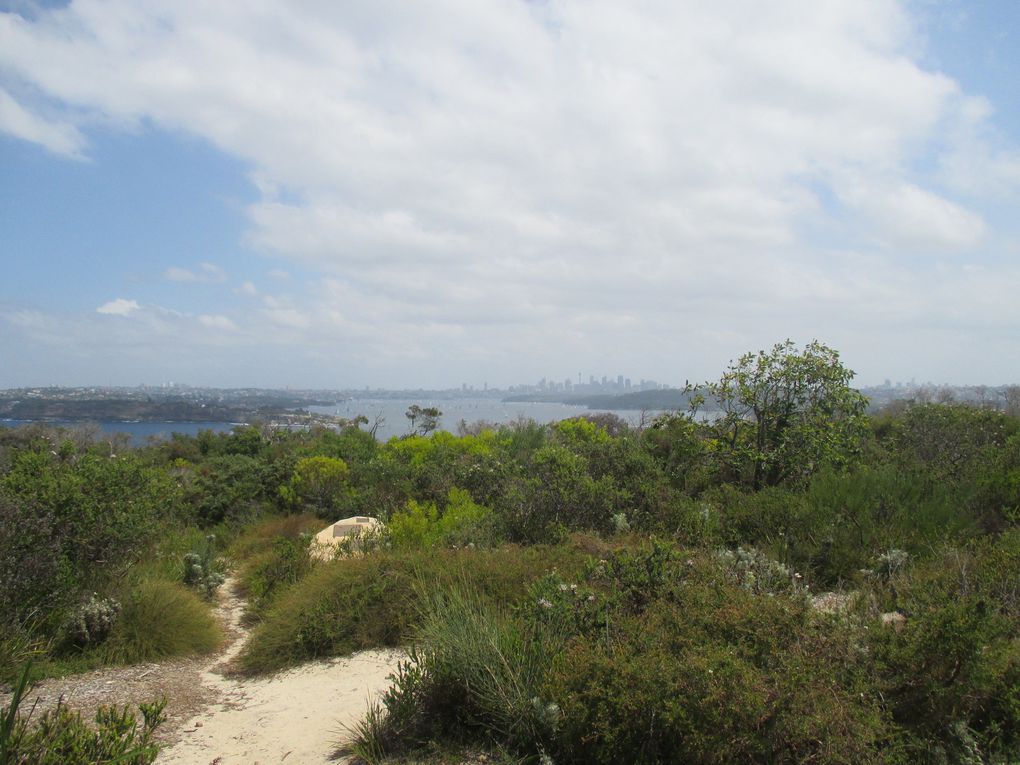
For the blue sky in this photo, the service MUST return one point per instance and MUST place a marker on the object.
(383, 194)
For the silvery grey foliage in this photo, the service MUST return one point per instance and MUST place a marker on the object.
(91, 622)
(199, 571)
(889, 562)
(757, 572)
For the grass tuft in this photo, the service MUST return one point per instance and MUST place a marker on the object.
(371, 601)
(161, 619)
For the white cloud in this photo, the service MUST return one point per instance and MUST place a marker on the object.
(907, 216)
(57, 137)
(559, 180)
(119, 307)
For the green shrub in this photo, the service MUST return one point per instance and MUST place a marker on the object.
(371, 601)
(713, 671)
(319, 485)
(92, 621)
(61, 737)
(659, 657)
(954, 666)
(34, 571)
(945, 439)
(268, 573)
(418, 525)
(200, 569)
(473, 667)
(231, 488)
(161, 619)
(262, 536)
(557, 492)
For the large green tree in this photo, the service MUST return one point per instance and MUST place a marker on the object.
(785, 412)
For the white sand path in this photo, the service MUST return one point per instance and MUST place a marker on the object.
(297, 716)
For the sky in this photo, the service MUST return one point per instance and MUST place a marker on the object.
(393, 194)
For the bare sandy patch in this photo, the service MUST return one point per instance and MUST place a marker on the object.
(299, 715)
(295, 716)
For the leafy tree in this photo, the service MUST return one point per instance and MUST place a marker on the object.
(785, 412)
(423, 419)
(227, 487)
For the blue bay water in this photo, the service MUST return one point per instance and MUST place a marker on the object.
(391, 411)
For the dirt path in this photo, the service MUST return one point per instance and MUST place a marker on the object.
(298, 716)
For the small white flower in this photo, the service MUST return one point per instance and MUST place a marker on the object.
(544, 603)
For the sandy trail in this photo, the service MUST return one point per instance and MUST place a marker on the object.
(297, 716)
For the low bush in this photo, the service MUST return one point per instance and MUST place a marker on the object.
(951, 672)
(161, 619)
(35, 577)
(556, 493)
(371, 601)
(91, 622)
(266, 574)
(474, 668)
(460, 522)
(62, 737)
(201, 568)
(262, 536)
(660, 655)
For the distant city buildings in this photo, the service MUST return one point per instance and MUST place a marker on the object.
(603, 385)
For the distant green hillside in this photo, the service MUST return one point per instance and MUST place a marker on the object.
(120, 409)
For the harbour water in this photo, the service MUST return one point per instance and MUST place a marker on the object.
(391, 414)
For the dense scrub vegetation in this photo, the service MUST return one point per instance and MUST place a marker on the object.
(791, 581)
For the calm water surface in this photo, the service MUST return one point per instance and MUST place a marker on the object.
(393, 422)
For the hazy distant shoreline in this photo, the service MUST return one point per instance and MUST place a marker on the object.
(389, 412)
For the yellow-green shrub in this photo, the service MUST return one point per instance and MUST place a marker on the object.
(422, 524)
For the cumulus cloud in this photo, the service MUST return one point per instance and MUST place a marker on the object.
(910, 217)
(57, 137)
(555, 179)
(119, 307)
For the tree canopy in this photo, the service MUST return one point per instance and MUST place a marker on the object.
(785, 412)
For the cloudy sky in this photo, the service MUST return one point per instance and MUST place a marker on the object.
(334, 194)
